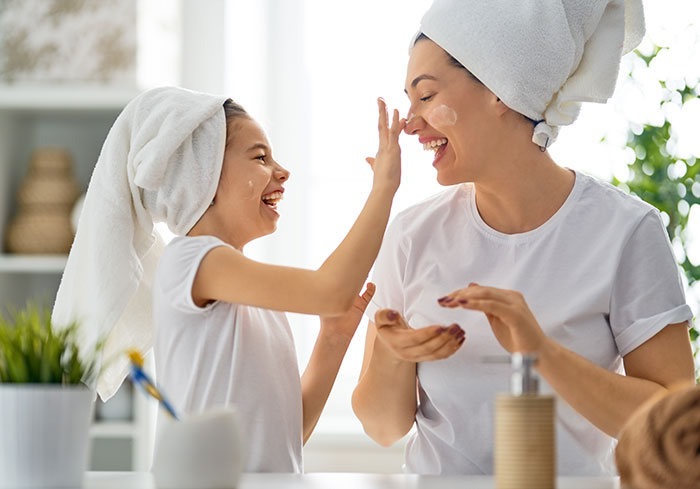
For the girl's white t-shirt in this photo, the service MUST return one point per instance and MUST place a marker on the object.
(599, 276)
(227, 355)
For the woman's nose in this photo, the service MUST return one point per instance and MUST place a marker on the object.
(414, 123)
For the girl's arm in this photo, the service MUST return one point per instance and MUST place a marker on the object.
(227, 275)
(605, 398)
(332, 343)
(385, 399)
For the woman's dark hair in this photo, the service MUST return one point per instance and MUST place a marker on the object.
(453, 61)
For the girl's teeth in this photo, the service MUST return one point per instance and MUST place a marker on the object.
(272, 199)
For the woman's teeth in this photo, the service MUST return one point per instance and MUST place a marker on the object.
(434, 144)
(272, 199)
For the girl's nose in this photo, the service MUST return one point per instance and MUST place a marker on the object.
(282, 174)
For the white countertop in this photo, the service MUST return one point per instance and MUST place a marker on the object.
(337, 480)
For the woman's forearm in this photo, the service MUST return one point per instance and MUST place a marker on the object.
(605, 398)
(385, 398)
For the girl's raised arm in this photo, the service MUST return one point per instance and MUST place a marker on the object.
(227, 275)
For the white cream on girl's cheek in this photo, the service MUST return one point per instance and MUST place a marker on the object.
(250, 191)
(442, 116)
(254, 186)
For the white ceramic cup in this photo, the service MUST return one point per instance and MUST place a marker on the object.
(203, 451)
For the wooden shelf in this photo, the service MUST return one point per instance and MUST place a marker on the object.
(64, 98)
(77, 117)
(32, 263)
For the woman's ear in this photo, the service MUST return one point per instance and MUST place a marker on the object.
(500, 107)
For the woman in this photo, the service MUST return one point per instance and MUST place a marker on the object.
(526, 255)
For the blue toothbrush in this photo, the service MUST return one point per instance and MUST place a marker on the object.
(139, 377)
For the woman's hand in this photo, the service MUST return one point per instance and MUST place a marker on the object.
(416, 345)
(343, 327)
(387, 164)
(512, 322)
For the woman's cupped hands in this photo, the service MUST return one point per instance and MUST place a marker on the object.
(511, 319)
(416, 345)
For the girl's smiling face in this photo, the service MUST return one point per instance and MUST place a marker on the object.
(250, 186)
(450, 113)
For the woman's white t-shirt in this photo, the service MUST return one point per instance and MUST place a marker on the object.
(227, 355)
(599, 276)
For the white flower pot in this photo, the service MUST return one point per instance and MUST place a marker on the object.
(44, 435)
(203, 451)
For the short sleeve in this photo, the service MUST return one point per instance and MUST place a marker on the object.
(177, 269)
(647, 294)
(389, 271)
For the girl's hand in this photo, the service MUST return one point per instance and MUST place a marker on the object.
(344, 327)
(416, 345)
(387, 164)
(512, 322)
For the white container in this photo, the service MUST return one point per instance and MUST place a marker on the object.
(44, 435)
(202, 451)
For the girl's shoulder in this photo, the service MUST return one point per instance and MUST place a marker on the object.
(183, 253)
(186, 245)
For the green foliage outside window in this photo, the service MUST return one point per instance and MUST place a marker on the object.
(664, 179)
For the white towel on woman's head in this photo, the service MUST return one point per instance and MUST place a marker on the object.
(160, 162)
(541, 57)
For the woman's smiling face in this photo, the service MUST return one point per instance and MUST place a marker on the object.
(251, 183)
(449, 112)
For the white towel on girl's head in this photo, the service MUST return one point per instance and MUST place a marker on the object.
(161, 162)
(541, 57)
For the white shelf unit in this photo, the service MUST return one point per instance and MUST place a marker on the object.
(77, 119)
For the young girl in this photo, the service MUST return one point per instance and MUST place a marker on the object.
(200, 163)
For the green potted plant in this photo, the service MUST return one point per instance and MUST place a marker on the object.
(46, 405)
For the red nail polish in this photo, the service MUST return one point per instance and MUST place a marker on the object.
(391, 315)
(463, 301)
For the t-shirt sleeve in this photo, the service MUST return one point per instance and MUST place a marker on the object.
(178, 268)
(388, 273)
(647, 294)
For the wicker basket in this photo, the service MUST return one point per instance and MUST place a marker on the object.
(45, 198)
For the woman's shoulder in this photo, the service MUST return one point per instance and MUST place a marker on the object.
(434, 205)
(598, 196)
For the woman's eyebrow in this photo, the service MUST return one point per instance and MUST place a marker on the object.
(419, 79)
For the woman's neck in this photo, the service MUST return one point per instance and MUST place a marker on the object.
(524, 194)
